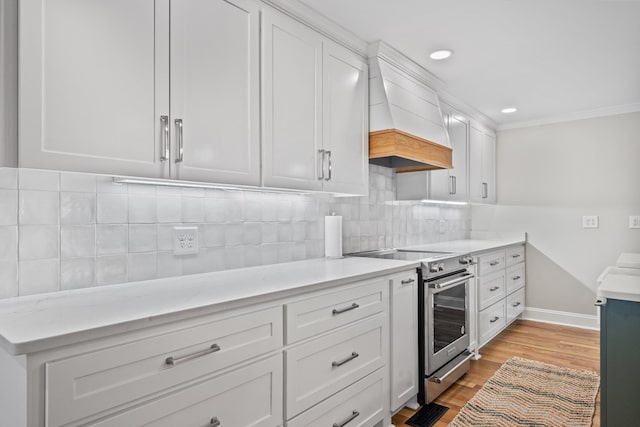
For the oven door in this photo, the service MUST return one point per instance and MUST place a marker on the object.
(447, 319)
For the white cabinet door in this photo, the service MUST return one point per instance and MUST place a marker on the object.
(482, 165)
(451, 184)
(291, 103)
(93, 85)
(345, 120)
(404, 339)
(215, 90)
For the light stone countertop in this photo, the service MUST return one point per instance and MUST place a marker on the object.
(39, 322)
(479, 242)
(628, 260)
(619, 283)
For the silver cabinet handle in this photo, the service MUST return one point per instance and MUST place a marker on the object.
(175, 360)
(494, 263)
(215, 422)
(329, 165)
(321, 164)
(407, 281)
(485, 190)
(495, 288)
(455, 185)
(494, 320)
(515, 256)
(164, 123)
(516, 304)
(515, 277)
(344, 310)
(345, 360)
(450, 185)
(353, 416)
(179, 140)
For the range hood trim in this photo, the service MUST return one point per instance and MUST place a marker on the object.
(427, 155)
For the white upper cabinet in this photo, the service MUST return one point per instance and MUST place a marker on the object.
(93, 85)
(451, 184)
(482, 165)
(96, 77)
(345, 120)
(314, 110)
(215, 91)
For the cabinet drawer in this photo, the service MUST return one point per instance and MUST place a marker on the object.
(491, 289)
(322, 367)
(94, 382)
(515, 304)
(515, 255)
(249, 396)
(515, 277)
(363, 403)
(491, 321)
(490, 263)
(330, 310)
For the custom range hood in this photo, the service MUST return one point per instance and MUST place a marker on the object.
(406, 130)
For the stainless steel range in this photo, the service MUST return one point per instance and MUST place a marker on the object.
(443, 316)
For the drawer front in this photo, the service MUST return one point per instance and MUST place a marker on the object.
(98, 381)
(492, 320)
(362, 404)
(249, 396)
(491, 289)
(322, 367)
(515, 277)
(515, 304)
(490, 263)
(330, 310)
(515, 255)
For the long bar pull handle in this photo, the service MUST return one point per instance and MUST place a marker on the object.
(175, 360)
(337, 363)
(494, 263)
(180, 140)
(494, 320)
(344, 310)
(493, 289)
(516, 304)
(215, 422)
(455, 185)
(515, 256)
(353, 416)
(164, 123)
(453, 282)
(407, 281)
(451, 185)
(320, 165)
(515, 277)
(329, 165)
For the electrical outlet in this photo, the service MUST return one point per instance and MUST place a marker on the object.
(443, 226)
(185, 240)
(590, 221)
(634, 221)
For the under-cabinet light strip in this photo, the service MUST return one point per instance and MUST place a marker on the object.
(193, 184)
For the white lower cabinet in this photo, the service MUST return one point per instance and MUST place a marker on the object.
(249, 396)
(359, 405)
(491, 321)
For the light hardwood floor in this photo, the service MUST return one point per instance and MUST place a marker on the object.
(559, 345)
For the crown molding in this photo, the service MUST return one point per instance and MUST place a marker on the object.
(399, 60)
(578, 115)
(314, 19)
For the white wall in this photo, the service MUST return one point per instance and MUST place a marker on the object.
(548, 177)
(8, 82)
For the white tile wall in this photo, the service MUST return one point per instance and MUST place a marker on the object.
(70, 230)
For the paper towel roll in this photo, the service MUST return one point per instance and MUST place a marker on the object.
(333, 236)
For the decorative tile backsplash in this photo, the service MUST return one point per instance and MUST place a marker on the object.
(62, 230)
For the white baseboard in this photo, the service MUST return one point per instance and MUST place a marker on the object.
(584, 321)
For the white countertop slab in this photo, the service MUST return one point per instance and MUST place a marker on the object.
(38, 322)
(619, 283)
(628, 260)
(491, 242)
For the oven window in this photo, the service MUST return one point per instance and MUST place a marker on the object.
(449, 317)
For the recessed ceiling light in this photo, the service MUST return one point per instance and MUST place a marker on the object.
(441, 54)
(509, 110)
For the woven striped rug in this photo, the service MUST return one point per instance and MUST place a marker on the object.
(528, 393)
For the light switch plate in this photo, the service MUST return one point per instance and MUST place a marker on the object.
(634, 221)
(185, 240)
(590, 221)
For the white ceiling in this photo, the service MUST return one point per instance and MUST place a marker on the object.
(552, 59)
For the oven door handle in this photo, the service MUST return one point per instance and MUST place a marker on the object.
(453, 282)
